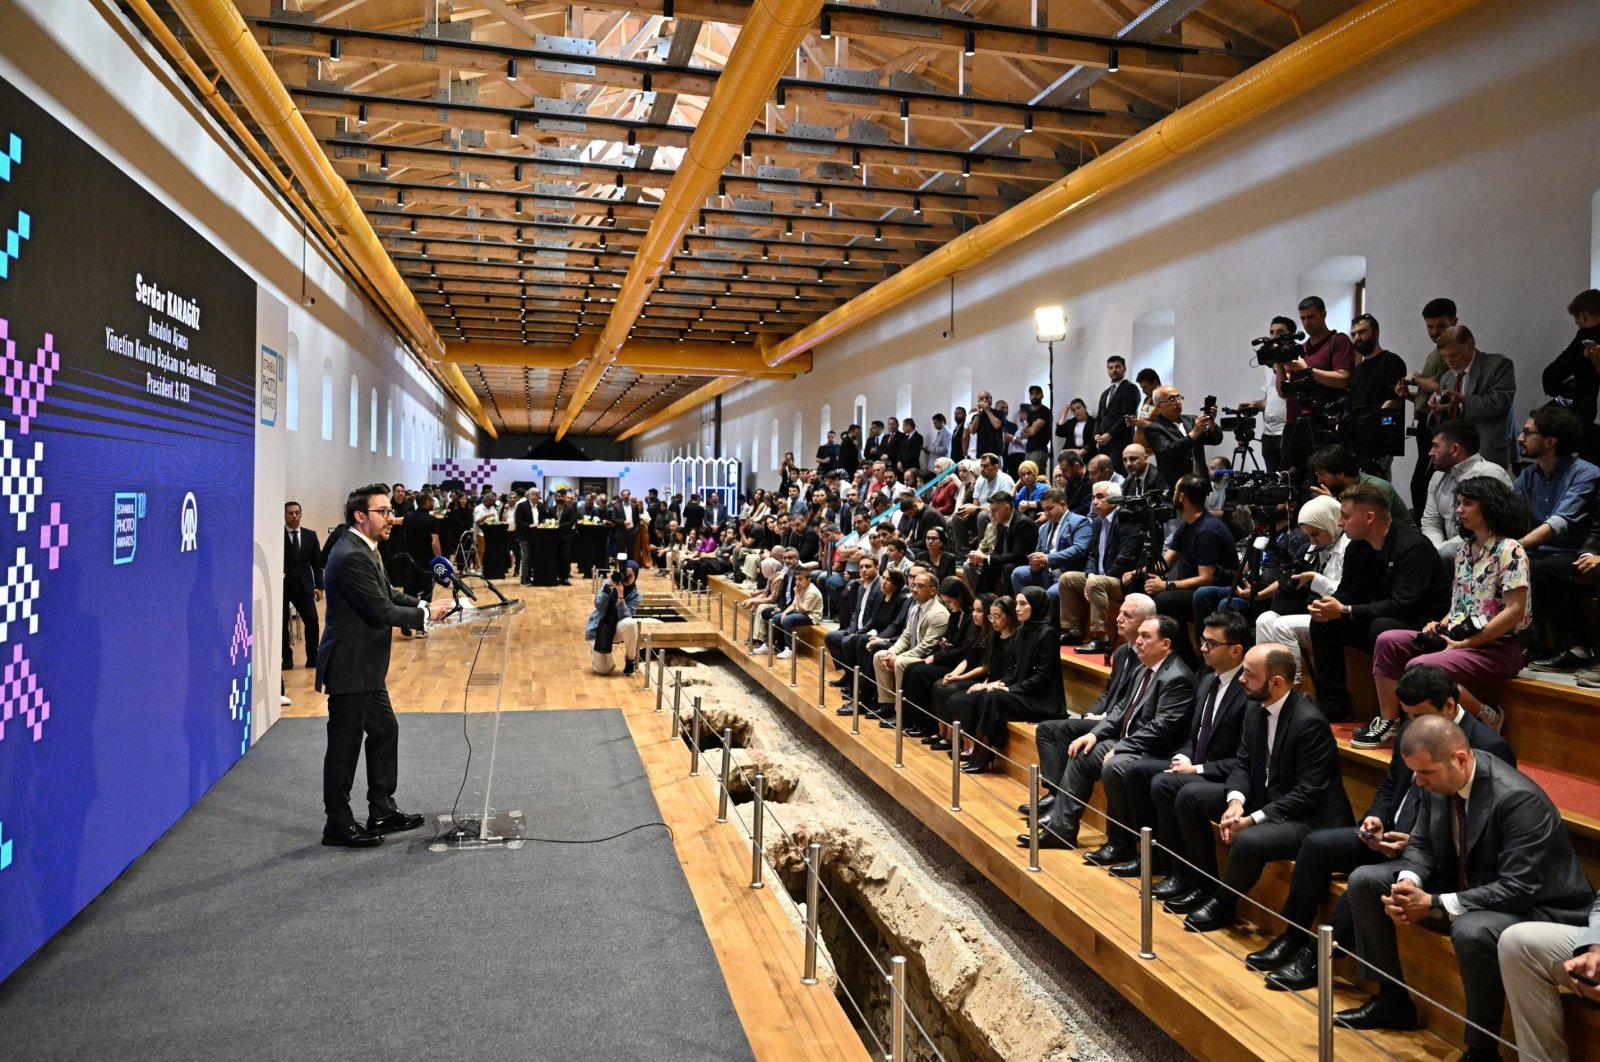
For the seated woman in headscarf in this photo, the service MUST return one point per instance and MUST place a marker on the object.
(916, 684)
(954, 700)
(1028, 691)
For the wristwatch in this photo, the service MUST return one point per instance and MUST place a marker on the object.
(1169, 585)
(1435, 905)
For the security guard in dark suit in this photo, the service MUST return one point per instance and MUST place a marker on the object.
(302, 582)
(353, 667)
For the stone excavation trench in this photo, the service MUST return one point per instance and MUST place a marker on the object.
(984, 980)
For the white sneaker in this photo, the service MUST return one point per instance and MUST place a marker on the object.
(786, 654)
(284, 701)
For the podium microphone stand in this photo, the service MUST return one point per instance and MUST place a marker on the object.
(474, 822)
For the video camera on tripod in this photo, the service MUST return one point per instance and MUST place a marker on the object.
(1370, 432)
(1261, 489)
(1151, 513)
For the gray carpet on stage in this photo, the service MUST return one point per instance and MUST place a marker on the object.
(239, 936)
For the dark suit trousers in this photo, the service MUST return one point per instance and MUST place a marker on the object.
(1476, 936)
(837, 641)
(1328, 643)
(1179, 604)
(1198, 806)
(1323, 854)
(1072, 777)
(1127, 782)
(350, 717)
(304, 602)
(917, 684)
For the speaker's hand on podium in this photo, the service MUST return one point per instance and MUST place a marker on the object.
(438, 610)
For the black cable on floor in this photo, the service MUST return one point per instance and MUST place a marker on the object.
(596, 840)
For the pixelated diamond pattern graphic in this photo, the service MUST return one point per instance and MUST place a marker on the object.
(53, 536)
(18, 598)
(5, 848)
(473, 473)
(24, 383)
(21, 697)
(13, 242)
(239, 707)
(242, 638)
(12, 156)
(20, 481)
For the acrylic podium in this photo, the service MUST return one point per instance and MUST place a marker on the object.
(474, 821)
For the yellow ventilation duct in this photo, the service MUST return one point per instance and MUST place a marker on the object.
(218, 28)
(1346, 42)
(766, 46)
(646, 358)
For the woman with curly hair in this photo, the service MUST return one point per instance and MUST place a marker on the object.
(1476, 641)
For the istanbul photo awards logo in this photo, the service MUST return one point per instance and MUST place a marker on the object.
(190, 524)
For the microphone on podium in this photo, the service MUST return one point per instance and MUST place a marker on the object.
(444, 574)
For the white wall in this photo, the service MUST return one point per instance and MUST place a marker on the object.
(1461, 164)
(96, 75)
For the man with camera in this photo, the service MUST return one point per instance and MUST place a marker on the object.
(1476, 386)
(1392, 580)
(1179, 445)
(1205, 547)
(1270, 405)
(613, 620)
(1309, 382)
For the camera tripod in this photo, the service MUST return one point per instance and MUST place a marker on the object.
(1244, 452)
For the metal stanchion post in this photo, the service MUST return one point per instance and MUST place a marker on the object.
(794, 659)
(855, 703)
(645, 660)
(727, 766)
(822, 678)
(899, 728)
(734, 637)
(1324, 994)
(772, 642)
(897, 1015)
(722, 602)
(1147, 902)
(694, 742)
(758, 821)
(813, 901)
(677, 689)
(1033, 817)
(955, 766)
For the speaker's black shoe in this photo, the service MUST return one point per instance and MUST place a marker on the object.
(1380, 1012)
(1298, 974)
(1279, 953)
(1184, 902)
(395, 822)
(1173, 885)
(1105, 856)
(1216, 913)
(349, 836)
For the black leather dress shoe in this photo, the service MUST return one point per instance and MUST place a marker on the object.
(1045, 804)
(916, 732)
(1183, 903)
(1050, 839)
(1071, 637)
(846, 710)
(1170, 886)
(1380, 1012)
(1105, 856)
(1131, 869)
(1481, 1054)
(1283, 948)
(395, 822)
(349, 836)
(939, 746)
(1098, 646)
(1216, 913)
(1298, 974)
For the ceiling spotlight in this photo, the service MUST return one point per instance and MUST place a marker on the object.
(361, 114)
(516, 172)
(971, 47)
(413, 226)
(648, 82)
(619, 181)
(827, 27)
(819, 274)
(855, 159)
(1111, 67)
(916, 205)
(722, 189)
(1027, 122)
(383, 162)
(818, 199)
(399, 197)
(519, 206)
(335, 48)
(516, 127)
(847, 258)
(782, 99)
(788, 229)
(746, 147)
(877, 234)
(764, 255)
(905, 109)
(666, 8)
(966, 167)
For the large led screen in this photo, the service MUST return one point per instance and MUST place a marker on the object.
(127, 409)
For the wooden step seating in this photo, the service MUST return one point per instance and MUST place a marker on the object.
(1429, 959)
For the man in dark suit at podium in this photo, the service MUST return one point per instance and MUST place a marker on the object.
(353, 667)
(302, 582)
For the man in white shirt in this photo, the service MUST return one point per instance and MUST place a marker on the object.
(1455, 454)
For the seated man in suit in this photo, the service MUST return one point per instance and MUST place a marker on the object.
(1113, 553)
(1206, 755)
(925, 625)
(1150, 720)
(1537, 960)
(1284, 784)
(867, 648)
(1062, 546)
(859, 600)
(1006, 543)
(1490, 836)
(1382, 835)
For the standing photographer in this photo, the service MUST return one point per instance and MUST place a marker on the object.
(1270, 405)
(1309, 382)
(1179, 444)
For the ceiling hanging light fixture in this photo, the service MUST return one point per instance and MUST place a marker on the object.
(971, 47)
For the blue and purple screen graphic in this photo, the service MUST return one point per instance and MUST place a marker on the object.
(127, 412)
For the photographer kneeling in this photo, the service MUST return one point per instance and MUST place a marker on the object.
(1205, 546)
(613, 620)
(1314, 574)
(1476, 643)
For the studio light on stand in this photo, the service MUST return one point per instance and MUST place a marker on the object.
(1050, 327)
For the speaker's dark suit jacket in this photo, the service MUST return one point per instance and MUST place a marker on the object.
(1300, 781)
(363, 610)
(303, 567)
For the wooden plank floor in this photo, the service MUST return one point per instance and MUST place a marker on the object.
(757, 945)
